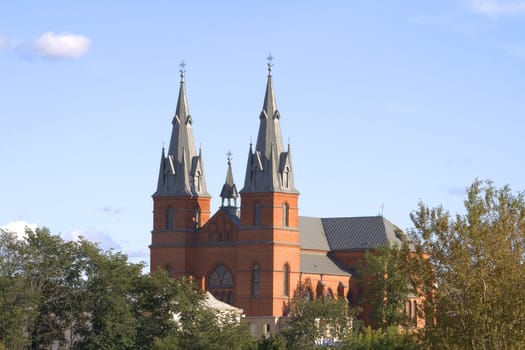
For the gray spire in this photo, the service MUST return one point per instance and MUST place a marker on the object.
(229, 192)
(186, 172)
(269, 168)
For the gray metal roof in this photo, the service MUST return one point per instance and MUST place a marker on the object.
(312, 234)
(320, 263)
(366, 232)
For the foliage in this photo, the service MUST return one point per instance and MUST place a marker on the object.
(50, 288)
(272, 343)
(474, 276)
(385, 277)
(390, 338)
(312, 320)
(203, 328)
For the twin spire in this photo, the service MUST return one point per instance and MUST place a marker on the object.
(269, 167)
(181, 170)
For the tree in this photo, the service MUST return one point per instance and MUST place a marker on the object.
(390, 338)
(272, 343)
(385, 277)
(36, 274)
(475, 272)
(82, 297)
(201, 328)
(108, 301)
(156, 296)
(311, 320)
(15, 303)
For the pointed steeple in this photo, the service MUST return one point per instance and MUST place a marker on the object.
(229, 192)
(269, 129)
(266, 170)
(162, 172)
(187, 173)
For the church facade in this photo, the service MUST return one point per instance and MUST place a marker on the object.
(255, 252)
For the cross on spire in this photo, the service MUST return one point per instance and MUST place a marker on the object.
(182, 70)
(270, 64)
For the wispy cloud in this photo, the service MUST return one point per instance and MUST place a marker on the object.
(62, 45)
(19, 228)
(141, 253)
(497, 8)
(109, 209)
(102, 238)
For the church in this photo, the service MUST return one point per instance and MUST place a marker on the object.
(255, 252)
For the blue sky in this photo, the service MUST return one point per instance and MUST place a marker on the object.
(383, 102)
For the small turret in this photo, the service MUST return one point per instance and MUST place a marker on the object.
(229, 192)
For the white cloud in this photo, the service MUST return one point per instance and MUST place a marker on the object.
(63, 45)
(497, 8)
(19, 228)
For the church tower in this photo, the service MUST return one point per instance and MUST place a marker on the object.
(181, 204)
(269, 245)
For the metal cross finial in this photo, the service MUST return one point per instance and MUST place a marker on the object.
(270, 64)
(229, 154)
(182, 70)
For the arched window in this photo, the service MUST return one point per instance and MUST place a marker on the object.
(256, 280)
(286, 209)
(257, 215)
(286, 280)
(221, 278)
(414, 311)
(169, 219)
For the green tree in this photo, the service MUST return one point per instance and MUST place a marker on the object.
(385, 277)
(390, 338)
(16, 306)
(201, 328)
(475, 272)
(311, 320)
(82, 297)
(155, 304)
(108, 301)
(272, 343)
(36, 276)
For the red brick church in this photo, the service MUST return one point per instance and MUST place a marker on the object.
(255, 252)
